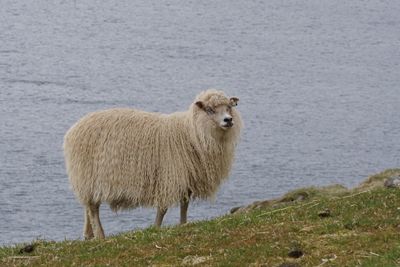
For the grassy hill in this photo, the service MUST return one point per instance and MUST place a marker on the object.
(330, 226)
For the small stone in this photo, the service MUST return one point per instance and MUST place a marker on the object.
(27, 249)
(301, 197)
(235, 209)
(325, 213)
(295, 253)
(392, 182)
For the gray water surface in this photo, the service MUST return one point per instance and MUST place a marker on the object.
(318, 82)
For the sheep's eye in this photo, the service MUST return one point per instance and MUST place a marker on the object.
(209, 110)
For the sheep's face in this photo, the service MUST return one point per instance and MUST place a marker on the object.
(221, 114)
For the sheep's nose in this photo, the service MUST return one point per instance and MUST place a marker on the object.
(228, 120)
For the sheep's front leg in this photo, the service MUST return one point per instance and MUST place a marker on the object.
(87, 229)
(160, 216)
(184, 208)
(95, 221)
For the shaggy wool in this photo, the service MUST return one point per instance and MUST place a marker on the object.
(130, 158)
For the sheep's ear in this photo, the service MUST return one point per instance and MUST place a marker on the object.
(200, 104)
(234, 101)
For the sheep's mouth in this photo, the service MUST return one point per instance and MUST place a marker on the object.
(227, 125)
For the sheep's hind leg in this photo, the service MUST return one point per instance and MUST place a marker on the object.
(87, 228)
(160, 216)
(95, 220)
(184, 208)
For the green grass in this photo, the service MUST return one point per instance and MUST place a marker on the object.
(363, 230)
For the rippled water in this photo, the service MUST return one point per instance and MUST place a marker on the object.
(318, 81)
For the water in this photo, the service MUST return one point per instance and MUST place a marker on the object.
(318, 83)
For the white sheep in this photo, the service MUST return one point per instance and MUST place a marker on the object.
(130, 158)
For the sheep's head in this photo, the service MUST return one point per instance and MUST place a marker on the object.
(218, 108)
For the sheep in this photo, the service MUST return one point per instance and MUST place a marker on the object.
(130, 158)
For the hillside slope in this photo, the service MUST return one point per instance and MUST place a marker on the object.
(358, 227)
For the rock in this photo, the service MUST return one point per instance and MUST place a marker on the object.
(27, 249)
(392, 182)
(235, 209)
(325, 213)
(295, 253)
